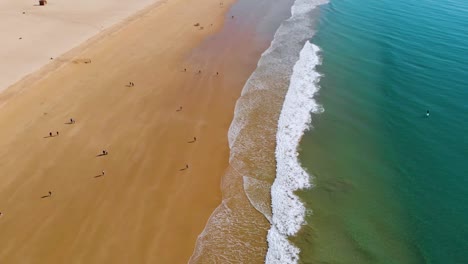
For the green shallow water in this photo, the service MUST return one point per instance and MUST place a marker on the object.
(390, 186)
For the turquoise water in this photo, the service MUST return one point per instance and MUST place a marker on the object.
(391, 185)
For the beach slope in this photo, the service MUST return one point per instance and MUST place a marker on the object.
(150, 197)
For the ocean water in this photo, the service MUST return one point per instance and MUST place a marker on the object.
(388, 184)
(247, 227)
(333, 159)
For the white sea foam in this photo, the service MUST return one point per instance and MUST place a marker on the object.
(275, 65)
(295, 119)
(231, 234)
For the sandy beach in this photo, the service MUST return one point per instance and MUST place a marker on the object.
(33, 34)
(160, 185)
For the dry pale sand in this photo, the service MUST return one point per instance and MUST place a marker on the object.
(29, 40)
(145, 209)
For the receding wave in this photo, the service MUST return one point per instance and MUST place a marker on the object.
(236, 231)
(295, 119)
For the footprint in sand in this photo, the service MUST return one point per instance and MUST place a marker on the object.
(81, 61)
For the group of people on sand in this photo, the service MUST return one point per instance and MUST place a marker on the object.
(105, 152)
(72, 121)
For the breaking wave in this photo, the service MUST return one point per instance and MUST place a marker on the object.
(295, 119)
(258, 199)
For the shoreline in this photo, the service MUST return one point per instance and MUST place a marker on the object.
(248, 195)
(83, 212)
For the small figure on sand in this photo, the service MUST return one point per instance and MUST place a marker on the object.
(131, 84)
(57, 133)
(180, 109)
(50, 134)
(186, 166)
(199, 71)
(217, 73)
(103, 173)
(194, 139)
(72, 121)
(104, 152)
(185, 69)
(50, 193)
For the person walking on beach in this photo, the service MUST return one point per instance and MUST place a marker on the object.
(57, 133)
(50, 193)
(194, 139)
(103, 172)
(72, 121)
(185, 69)
(50, 134)
(186, 166)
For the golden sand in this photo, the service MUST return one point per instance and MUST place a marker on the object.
(147, 208)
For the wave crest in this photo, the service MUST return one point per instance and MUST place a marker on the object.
(295, 119)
